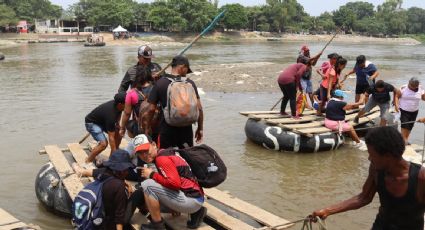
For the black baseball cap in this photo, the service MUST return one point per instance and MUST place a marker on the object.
(181, 60)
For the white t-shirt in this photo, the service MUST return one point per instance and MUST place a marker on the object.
(409, 100)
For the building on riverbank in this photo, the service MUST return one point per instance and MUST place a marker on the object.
(60, 26)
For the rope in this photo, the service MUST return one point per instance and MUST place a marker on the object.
(307, 223)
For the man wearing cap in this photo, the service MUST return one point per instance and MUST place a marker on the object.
(114, 190)
(335, 117)
(105, 118)
(172, 189)
(144, 54)
(172, 136)
(366, 73)
(381, 97)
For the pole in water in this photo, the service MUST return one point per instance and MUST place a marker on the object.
(274, 106)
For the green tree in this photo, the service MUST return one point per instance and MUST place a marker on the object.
(415, 20)
(235, 17)
(117, 12)
(33, 9)
(325, 22)
(361, 9)
(165, 18)
(197, 12)
(255, 17)
(7, 15)
(394, 18)
(344, 17)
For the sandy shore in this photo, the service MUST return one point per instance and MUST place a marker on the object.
(254, 77)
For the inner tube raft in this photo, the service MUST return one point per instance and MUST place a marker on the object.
(87, 44)
(1, 56)
(274, 137)
(51, 192)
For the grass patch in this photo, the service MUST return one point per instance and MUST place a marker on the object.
(418, 37)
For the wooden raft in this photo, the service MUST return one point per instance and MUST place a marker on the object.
(219, 217)
(309, 124)
(7, 222)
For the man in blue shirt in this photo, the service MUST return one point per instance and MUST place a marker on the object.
(366, 73)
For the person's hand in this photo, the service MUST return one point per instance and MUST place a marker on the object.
(422, 120)
(146, 172)
(329, 96)
(155, 75)
(122, 132)
(322, 214)
(199, 134)
(129, 187)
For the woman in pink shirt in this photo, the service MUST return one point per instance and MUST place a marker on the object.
(134, 97)
(288, 81)
(409, 98)
(330, 82)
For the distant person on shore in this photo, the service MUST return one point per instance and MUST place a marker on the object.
(175, 128)
(381, 97)
(105, 118)
(400, 185)
(330, 82)
(139, 93)
(366, 73)
(289, 82)
(144, 54)
(306, 84)
(335, 117)
(327, 64)
(409, 97)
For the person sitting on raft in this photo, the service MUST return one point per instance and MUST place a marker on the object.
(335, 116)
(331, 82)
(289, 81)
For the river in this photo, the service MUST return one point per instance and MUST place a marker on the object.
(47, 89)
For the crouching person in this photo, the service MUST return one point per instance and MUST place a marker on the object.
(172, 189)
(335, 117)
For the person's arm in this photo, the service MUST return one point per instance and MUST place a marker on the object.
(200, 130)
(301, 71)
(331, 78)
(352, 106)
(422, 120)
(119, 227)
(396, 97)
(356, 202)
(313, 60)
(124, 118)
(125, 83)
(423, 97)
(347, 74)
(169, 177)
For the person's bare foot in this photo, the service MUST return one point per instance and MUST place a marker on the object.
(78, 170)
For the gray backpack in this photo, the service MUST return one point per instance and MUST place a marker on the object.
(182, 103)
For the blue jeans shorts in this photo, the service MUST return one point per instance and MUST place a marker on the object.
(96, 132)
(306, 85)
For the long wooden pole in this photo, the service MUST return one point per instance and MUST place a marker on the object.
(208, 28)
(326, 46)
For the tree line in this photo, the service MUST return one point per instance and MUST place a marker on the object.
(193, 15)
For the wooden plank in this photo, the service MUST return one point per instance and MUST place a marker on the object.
(80, 156)
(303, 125)
(291, 120)
(70, 180)
(255, 212)
(310, 131)
(43, 151)
(246, 113)
(7, 221)
(276, 116)
(105, 153)
(225, 220)
(179, 222)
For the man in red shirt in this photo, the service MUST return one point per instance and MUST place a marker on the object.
(173, 188)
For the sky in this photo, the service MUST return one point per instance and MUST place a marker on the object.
(312, 7)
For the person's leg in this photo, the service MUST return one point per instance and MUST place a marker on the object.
(407, 122)
(309, 91)
(384, 109)
(184, 137)
(369, 106)
(324, 99)
(98, 135)
(285, 99)
(292, 95)
(137, 199)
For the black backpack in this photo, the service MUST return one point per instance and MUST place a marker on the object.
(206, 165)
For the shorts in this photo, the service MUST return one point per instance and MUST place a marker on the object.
(406, 116)
(384, 107)
(361, 88)
(96, 132)
(341, 126)
(306, 85)
(172, 199)
(170, 136)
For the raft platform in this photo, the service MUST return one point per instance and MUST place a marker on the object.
(309, 124)
(224, 211)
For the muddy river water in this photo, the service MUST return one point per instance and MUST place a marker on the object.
(47, 89)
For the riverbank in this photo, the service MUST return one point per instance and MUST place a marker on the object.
(177, 39)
